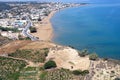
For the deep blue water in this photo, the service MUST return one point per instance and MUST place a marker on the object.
(95, 27)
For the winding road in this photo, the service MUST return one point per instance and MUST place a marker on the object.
(25, 31)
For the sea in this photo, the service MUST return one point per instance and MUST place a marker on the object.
(95, 27)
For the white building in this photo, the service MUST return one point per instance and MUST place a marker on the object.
(35, 16)
(10, 35)
(5, 23)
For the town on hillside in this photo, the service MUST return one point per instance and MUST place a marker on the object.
(19, 20)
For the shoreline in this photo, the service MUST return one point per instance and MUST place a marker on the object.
(44, 28)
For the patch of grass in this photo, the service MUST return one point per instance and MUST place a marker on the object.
(43, 74)
(30, 69)
(10, 68)
(79, 72)
(31, 73)
(57, 74)
(31, 55)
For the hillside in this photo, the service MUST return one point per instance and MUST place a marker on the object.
(33, 56)
(4, 6)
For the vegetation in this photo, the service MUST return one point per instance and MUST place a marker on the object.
(83, 53)
(43, 75)
(79, 72)
(33, 29)
(117, 78)
(58, 74)
(85, 72)
(31, 55)
(10, 68)
(93, 56)
(50, 64)
(27, 38)
(22, 38)
(30, 68)
(29, 73)
(9, 29)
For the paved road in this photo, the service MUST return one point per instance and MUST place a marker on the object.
(25, 30)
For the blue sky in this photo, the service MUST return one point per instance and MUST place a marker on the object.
(50, 0)
(89, 1)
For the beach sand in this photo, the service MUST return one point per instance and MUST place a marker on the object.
(44, 28)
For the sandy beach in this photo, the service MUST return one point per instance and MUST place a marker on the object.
(44, 28)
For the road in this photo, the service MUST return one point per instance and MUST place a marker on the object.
(25, 30)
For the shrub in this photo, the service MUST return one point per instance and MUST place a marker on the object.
(93, 56)
(50, 64)
(117, 78)
(42, 75)
(83, 53)
(33, 29)
(27, 38)
(85, 72)
(77, 72)
(46, 51)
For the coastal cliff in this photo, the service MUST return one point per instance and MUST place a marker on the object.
(35, 54)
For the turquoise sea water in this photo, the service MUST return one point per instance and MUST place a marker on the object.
(95, 27)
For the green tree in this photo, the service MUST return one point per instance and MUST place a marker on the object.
(9, 29)
(93, 56)
(50, 64)
(33, 29)
(77, 72)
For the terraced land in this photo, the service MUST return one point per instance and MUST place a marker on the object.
(30, 73)
(10, 68)
(58, 74)
(35, 56)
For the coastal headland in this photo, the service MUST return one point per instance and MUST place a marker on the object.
(43, 60)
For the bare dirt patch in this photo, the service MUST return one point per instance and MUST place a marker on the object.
(13, 46)
(68, 58)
